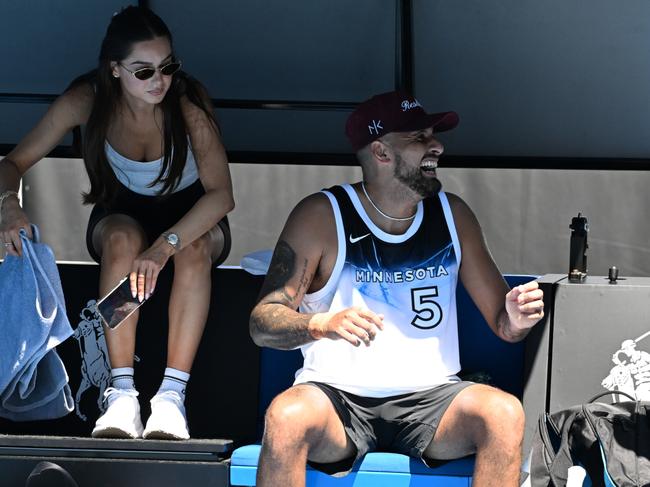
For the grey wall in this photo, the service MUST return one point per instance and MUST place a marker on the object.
(264, 194)
(525, 214)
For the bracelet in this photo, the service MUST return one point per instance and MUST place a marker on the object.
(6, 195)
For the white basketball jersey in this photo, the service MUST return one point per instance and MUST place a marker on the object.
(409, 278)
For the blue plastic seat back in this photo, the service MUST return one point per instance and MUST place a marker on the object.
(482, 351)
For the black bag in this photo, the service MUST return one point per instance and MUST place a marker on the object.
(611, 441)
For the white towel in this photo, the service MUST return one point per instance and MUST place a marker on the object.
(257, 263)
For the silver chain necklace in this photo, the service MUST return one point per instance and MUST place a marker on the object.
(363, 186)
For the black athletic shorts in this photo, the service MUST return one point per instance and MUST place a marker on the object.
(400, 424)
(154, 213)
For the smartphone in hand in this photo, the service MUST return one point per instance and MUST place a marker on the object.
(118, 304)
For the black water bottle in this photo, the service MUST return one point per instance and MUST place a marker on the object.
(578, 252)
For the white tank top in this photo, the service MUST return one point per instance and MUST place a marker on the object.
(137, 176)
(410, 279)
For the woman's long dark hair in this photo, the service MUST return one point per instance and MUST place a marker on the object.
(131, 25)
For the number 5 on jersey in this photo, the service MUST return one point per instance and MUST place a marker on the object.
(428, 313)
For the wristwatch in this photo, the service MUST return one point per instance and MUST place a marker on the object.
(172, 239)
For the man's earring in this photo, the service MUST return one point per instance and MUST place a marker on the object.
(115, 75)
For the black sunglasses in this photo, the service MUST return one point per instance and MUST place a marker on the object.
(146, 73)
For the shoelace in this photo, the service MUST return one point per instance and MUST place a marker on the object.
(172, 396)
(112, 391)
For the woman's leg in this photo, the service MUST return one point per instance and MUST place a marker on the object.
(190, 297)
(118, 239)
(188, 311)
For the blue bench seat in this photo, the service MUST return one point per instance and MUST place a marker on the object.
(375, 470)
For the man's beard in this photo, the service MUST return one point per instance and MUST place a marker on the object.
(414, 179)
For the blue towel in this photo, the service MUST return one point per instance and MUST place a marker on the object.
(33, 321)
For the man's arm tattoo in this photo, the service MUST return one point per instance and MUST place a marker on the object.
(281, 269)
(274, 318)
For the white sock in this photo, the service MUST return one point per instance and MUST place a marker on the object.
(175, 380)
(122, 378)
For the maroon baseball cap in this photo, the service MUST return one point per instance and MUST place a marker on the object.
(395, 111)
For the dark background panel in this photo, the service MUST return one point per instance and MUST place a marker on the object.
(556, 78)
(46, 44)
(16, 119)
(280, 131)
(312, 50)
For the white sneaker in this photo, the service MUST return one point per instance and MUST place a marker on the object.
(167, 420)
(122, 417)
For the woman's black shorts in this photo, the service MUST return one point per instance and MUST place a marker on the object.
(154, 213)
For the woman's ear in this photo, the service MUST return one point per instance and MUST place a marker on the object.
(114, 70)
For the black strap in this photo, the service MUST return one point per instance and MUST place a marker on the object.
(607, 393)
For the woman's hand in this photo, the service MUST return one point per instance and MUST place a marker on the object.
(12, 219)
(147, 267)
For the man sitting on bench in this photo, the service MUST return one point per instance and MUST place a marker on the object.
(363, 279)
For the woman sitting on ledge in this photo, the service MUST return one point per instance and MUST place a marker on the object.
(161, 189)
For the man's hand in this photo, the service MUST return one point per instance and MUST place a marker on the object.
(525, 306)
(355, 325)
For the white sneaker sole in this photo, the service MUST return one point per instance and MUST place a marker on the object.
(163, 435)
(113, 432)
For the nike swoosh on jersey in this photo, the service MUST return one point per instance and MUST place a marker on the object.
(356, 239)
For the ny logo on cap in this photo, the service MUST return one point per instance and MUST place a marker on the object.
(376, 125)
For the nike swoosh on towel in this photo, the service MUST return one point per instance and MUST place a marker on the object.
(356, 239)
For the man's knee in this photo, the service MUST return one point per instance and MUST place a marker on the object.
(478, 416)
(501, 416)
(296, 416)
